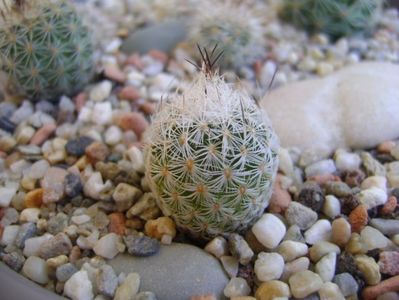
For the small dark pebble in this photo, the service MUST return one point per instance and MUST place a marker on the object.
(346, 264)
(25, 232)
(375, 253)
(385, 158)
(311, 196)
(373, 212)
(7, 125)
(353, 178)
(73, 185)
(64, 272)
(141, 245)
(14, 260)
(349, 203)
(77, 147)
(395, 192)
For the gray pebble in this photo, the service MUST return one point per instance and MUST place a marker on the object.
(240, 249)
(14, 260)
(141, 245)
(386, 226)
(145, 296)
(7, 125)
(57, 245)
(25, 232)
(57, 223)
(338, 189)
(11, 216)
(346, 283)
(77, 147)
(311, 196)
(7, 109)
(73, 185)
(64, 272)
(300, 215)
(371, 165)
(106, 281)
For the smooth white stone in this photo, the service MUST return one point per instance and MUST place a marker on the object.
(237, 287)
(6, 195)
(137, 159)
(345, 161)
(32, 245)
(291, 250)
(371, 238)
(330, 291)
(217, 247)
(331, 206)
(325, 267)
(102, 113)
(374, 181)
(81, 219)
(107, 246)
(230, 265)
(9, 234)
(79, 286)
(326, 166)
(113, 135)
(269, 230)
(319, 231)
(372, 197)
(128, 288)
(29, 215)
(35, 269)
(101, 91)
(269, 266)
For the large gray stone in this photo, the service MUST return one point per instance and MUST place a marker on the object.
(177, 271)
(163, 36)
(357, 107)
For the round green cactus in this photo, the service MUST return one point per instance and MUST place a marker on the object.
(236, 28)
(335, 17)
(211, 158)
(44, 48)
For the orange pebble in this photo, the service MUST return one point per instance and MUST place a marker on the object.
(34, 198)
(116, 223)
(115, 74)
(386, 147)
(43, 134)
(132, 121)
(129, 93)
(388, 285)
(358, 218)
(280, 199)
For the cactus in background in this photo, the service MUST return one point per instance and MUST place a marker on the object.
(211, 157)
(235, 26)
(44, 48)
(334, 17)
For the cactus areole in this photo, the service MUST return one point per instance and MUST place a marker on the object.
(211, 157)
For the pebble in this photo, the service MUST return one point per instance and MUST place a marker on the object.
(9, 234)
(332, 206)
(6, 195)
(35, 269)
(230, 265)
(311, 196)
(80, 219)
(389, 227)
(77, 147)
(280, 199)
(25, 232)
(338, 189)
(294, 234)
(43, 134)
(114, 73)
(369, 268)
(389, 262)
(125, 195)
(272, 290)
(237, 287)
(132, 121)
(346, 283)
(300, 215)
(96, 151)
(269, 230)
(108, 246)
(372, 166)
(322, 248)
(269, 266)
(10, 215)
(65, 271)
(129, 287)
(217, 247)
(29, 215)
(136, 157)
(372, 239)
(24, 134)
(14, 260)
(330, 291)
(345, 161)
(304, 283)
(325, 267)
(57, 223)
(53, 185)
(240, 248)
(73, 185)
(295, 266)
(117, 223)
(388, 285)
(341, 232)
(57, 245)
(374, 181)
(7, 125)
(141, 245)
(34, 198)
(395, 152)
(113, 135)
(358, 218)
(102, 113)
(79, 286)
(38, 169)
(321, 167)
(106, 281)
(389, 296)
(101, 91)
(291, 250)
(145, 296)
(319, 231)
(33, 245)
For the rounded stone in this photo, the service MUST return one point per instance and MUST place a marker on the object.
(269, 230)
(177, 271)
(272, 289)
(269, 266)
(304, 283)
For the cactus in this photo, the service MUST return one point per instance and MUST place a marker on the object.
(211, 158)
(334, 17)
(44, 48)
(234, 26)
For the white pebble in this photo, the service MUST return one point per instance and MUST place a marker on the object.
(319, 231)
(326, 166)
(94, 186)
(89, 241)
(6, 195)
(285, 163)
(326, 266)
(371, 238)
(29, 215)
(269, 266)
(113, 135)
(32, 245)
(101, 91)
(107, 246)
(102, 113)
(295, 266)
(332, 206)
(136, 157)
(269, 230)
(78, 220)
(128, 288)
(135, 78)
(230, 265)
(345, 161)
(237, 287)
(85, 114)
(79, 286)
(330, 291)
(374, 181)
(304, 283)
(9, 234)
(217, 247)
(35, 269)
(291, 250)
(372, 197)
(164, 82)
(38, 169)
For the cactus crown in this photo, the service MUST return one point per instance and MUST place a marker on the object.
(44, 48)
(334, 17)
(211, 157)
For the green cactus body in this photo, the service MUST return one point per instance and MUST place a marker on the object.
(236, 28)
(334, 17)
(44, 49)
(211, 158)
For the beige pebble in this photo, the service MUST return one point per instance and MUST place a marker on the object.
(295, 266)
(369, 268)
(271, 290)
(330, 291)
(304, 283)
(341, 232)
(322, 248)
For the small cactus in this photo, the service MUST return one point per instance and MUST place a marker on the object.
(235, 26)
(334, 17)
(44, 48)
(211, 157)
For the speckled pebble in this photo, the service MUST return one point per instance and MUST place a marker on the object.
(300, 215)
(141, 245)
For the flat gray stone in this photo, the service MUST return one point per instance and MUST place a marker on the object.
(163, 36)
(177, 271)
(386, 226)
